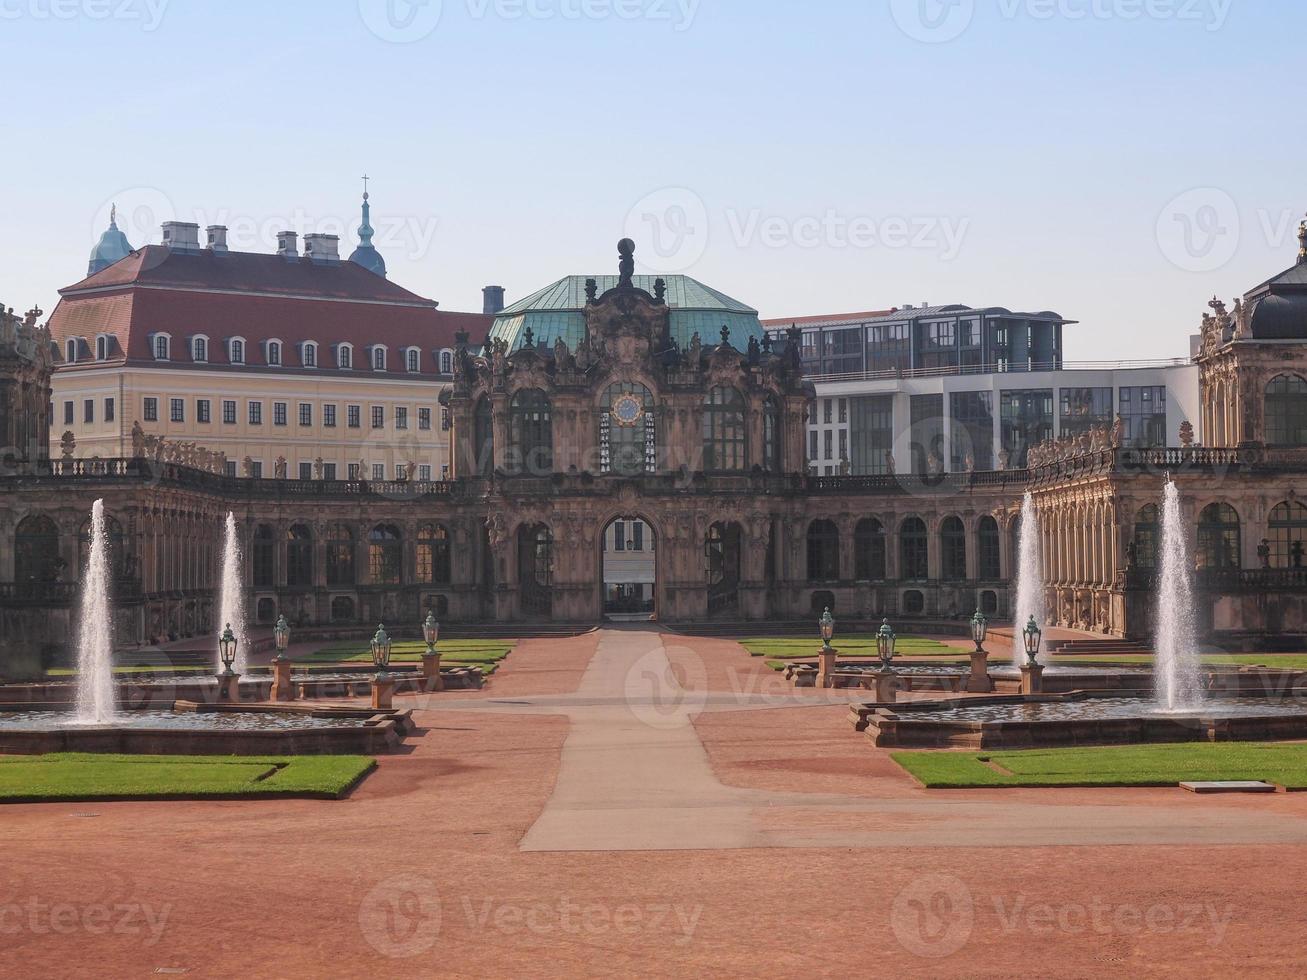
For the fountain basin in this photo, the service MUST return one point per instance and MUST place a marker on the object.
(1080, 718)
(201, 729)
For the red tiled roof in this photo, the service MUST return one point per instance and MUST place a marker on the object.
(786, 321)
(262, 299)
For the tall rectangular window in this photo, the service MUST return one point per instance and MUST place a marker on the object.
(424, 418)
(108, 410)
(352, 416)
(278, 413)
(68, 413)
(202, 410)
(1143, 410)
(973, 430)
(329, 471)
(888, 348)
(927, 432)
(256, 413)
(151, 411)
(619, 535)
(1026, 418)
(378, 471)
(306, 471)
(88, 411)
(401, 417)
(329, 416)
(871, 430)
(424, 472)
(177, 409)
(378, 417)
(228, 412)
(256, 469)
(306, 413)
(1083, 409)
(352, 469)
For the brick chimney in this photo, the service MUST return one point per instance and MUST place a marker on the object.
(492, 299)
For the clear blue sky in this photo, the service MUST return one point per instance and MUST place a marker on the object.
(1028, 162)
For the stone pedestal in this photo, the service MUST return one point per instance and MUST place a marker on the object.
(979, 682)
(383, 693)
(282, 688)
(887, 686)
(1032, 679)
(431, 679)
(229, 687)
(826, 667)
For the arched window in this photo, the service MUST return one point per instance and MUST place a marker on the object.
(114, 533)
(262, 558)
(344, 356)
(200, 350)
(1286, 411)
(413, 360)
(628, 434)
(309, 354)
(771, 435)
(379, 358)
(266, 610)
(723, 430)
(70, 352)
(274, 352)
(340, 556)
(823, 552)
(988, 552)
(914, 549)
(446, 362)
(914, 602)
(1288, 526)
(535, 566)
(989, 602)
(483, 438)
(1219, 537)
(236, 351)
(953, 550)
(385, 554)
(101, 348)
(869, 550)
(162, 345)
(1146, 537)
(531, 435)
(433, 567)
(299, 556)
(36, 551)
(342, 609)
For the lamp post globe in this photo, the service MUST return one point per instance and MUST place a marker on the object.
(979, 630)
(381, 649)
(1033, 636)
(281, 636)
(431, 631)
(227, 649)
(885, 640)
(827, 626)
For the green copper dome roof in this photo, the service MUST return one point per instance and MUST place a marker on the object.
(112, 247)
(558, 311)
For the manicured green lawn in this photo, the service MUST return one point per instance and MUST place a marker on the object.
(81, 776)
(485, 654)
(848, 646)
(1134, 765)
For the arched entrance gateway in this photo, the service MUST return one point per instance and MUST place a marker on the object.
(629, 572)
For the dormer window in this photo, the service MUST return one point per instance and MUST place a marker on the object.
(344, 356)
(446, 362)
(236, 350)
(309, 354)
(162, 346)
(414, 360)
(378, 358)
(70, 352)
(274, 352)
(101, 348)
(200, 349)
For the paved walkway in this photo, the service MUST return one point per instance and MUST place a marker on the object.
(635, 776)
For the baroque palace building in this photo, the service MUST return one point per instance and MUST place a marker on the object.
(599, 403)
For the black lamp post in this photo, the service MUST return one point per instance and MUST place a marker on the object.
(281, 636)
(885, 640)
(1033, 636)
(827, 626)
(227, 649)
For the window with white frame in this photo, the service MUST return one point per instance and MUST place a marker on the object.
(236, 350)
(101, 348)
(70, 352)
(199, 349)
(446, 362)
(378, 358)
(413, 360)
(162, 346)
(274, 352)
(309, 354)
(344, 356)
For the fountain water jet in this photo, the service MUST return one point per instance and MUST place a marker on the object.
(1175, 636)
(95, 695)
(1030, 578)
(231, 609)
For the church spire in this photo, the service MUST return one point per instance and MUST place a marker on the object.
(366, 254)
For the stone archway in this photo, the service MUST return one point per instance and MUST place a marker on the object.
(628, 569)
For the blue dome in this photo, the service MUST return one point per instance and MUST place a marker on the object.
(112, 247)
(366, 254)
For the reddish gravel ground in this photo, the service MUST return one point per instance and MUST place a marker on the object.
(418, 874)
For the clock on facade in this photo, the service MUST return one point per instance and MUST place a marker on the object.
(627, 410)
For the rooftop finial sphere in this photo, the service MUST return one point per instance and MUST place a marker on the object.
(626, 247)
